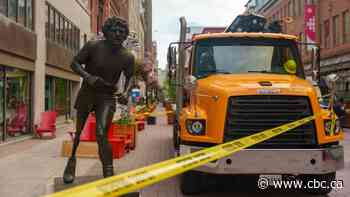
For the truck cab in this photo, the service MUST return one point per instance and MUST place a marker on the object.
(241, 83)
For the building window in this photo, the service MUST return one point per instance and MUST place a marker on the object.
(57, 26)
(12, 9)
(65, 33)
(296, 7)
(3, 7)
(62, 31)
(336, 31)
(346, 27)
(326, 33)
(29, 14)
(301, 7)
(62, 20)
(47, 24)
(52, 24)
(290, 9)
(19, 11)
(69, 35)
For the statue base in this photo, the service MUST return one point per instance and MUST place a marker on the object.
(59, 185)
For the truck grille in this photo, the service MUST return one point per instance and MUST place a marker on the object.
(247, 115)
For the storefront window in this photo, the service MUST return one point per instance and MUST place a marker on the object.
(57, 95)
(17, 102)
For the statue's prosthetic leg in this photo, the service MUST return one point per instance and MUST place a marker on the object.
(69, 172)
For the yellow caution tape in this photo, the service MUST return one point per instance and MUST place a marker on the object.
(142, 177)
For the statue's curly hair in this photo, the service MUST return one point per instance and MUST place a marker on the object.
(115, 21)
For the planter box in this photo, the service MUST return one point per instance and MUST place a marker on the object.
(128, 131)
(90, 149)
(85, 149)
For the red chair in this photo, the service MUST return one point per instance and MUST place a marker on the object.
(88, 133)
(19, 122)
(47, 124)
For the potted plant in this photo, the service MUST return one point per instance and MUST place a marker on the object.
(125, 126)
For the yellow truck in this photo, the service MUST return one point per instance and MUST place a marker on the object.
(235, 84)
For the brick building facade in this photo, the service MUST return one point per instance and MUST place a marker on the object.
(332, 29)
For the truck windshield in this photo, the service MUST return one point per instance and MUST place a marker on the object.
(238, 57)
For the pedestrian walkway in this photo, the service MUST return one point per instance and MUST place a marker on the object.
(28, 169)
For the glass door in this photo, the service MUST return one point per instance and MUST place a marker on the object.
(49, 101)
(61, 96)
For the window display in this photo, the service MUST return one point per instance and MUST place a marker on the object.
(17, 102)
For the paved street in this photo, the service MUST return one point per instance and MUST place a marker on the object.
(28, 168)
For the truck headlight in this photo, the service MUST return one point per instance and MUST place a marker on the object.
(332, 129)
(195, 127)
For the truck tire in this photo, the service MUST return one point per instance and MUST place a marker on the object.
(319, 178)
(191, 183)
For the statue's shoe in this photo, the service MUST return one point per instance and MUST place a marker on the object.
(108, 171)
(69, 172)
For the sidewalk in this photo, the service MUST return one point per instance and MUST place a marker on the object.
(28, 168)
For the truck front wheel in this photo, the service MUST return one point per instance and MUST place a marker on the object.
(191, 183)
(320, 184)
